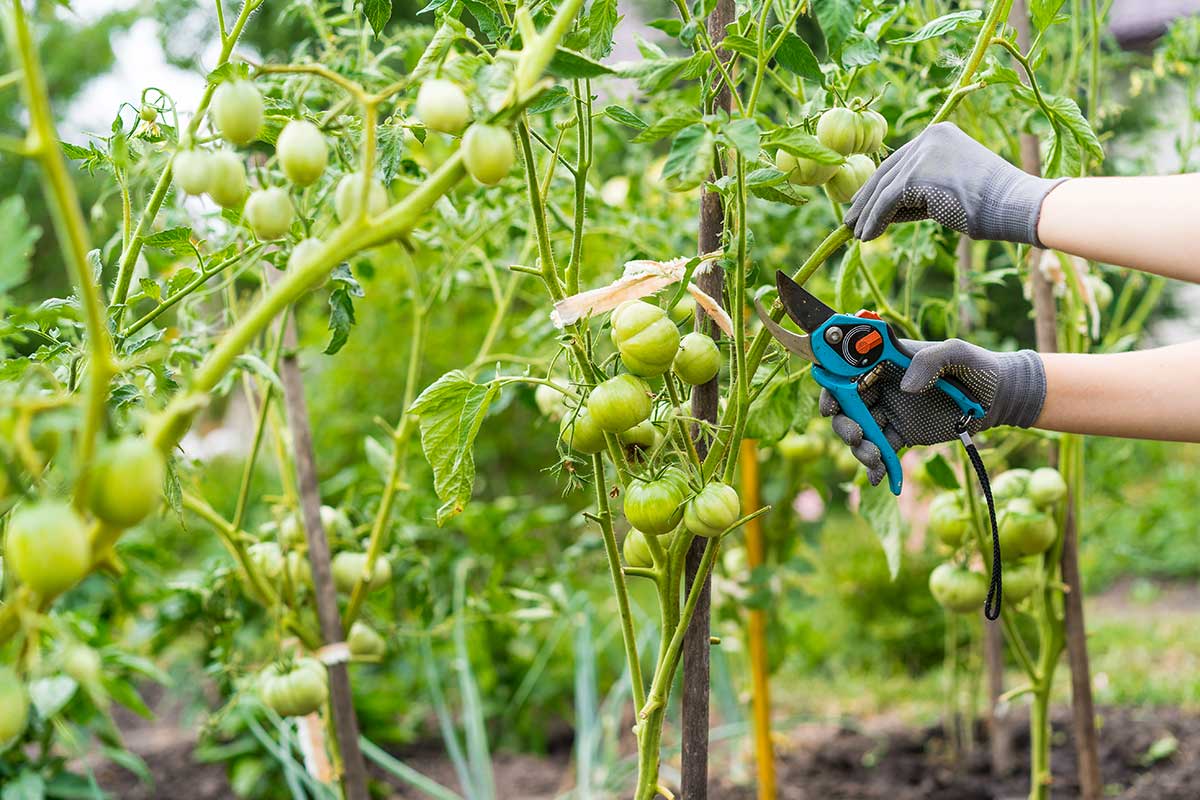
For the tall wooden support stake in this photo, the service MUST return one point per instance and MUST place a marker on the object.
(1046, 325)
(345, 722)
(694, 771)
(760, 687)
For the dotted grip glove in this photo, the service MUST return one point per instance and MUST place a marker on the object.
(947, 176)
(1010, 386)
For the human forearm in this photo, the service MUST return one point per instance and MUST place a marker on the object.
(1146, 223)
(1150, 394)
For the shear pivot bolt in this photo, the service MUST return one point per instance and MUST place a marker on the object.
(833, 335)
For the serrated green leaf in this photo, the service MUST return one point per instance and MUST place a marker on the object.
(947, 23)
(743, 134)
(624, 116)
(797, 57)
(18, 237)
(450, 414)
(742, 45)
(175, 240)
(690, 159)
(569, 64)
(341, 319)
(378, 13)
(836, 18)
(1044, 12)
(439, 45)
(859, 51)
(602, 21)
(552, 98)
(880, 509)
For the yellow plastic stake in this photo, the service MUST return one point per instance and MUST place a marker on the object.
(764, 752)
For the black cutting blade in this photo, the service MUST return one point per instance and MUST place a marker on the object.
(805, 310)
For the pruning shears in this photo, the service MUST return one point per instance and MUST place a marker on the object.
(848, 352)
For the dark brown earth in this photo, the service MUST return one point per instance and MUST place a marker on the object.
(872, 762)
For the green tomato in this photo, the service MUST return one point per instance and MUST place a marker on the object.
(443, 106)
(304, 253)
(348, 196)
(684, 310)
(1021, 579)
(127, 484)
(948, 521)
(643, 435)
(698, 359)
(1025, 531)
(148, 114)
(365, 642)
(713, 510)
(237, 111)
(1046, 487)
(192, 171)
(1010, 484)
(14, 706)
(487, 152)
(581, 433)
(299, 570)
(803, 171)
(645, 337)
(636, 549)
(47, 547)
(958, 589)
(227, 179)
(295, 692)
(655, 507)
(838, 129)
(850, 177)
(269, 213)
(619, 403)
(873, 129)
(82, 663)
(302, 152)
(266, 558)
(348, 568)
(801, 447)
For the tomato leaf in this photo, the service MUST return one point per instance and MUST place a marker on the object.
(858, 51)
(947, 23)
(378, 13)
(569, 64)
(602, 21)
(438, 46)
(796, 56)
(341, 319)
(940, 472)
(450, 413)
(690, 160)
(1044, 12)
(836, 18)
(743, 135)
(665, 127)
(880, 509)
(175, 240)
(19, 237)
(552, 98)
(799, 143)
(624, 116)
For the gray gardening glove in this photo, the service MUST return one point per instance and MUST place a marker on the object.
(1011, 387)
(947, 176)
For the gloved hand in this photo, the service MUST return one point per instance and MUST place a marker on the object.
(947, 176)
(1011, 387)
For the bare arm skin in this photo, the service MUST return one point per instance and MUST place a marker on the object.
(1145, 223)
(1150, 394)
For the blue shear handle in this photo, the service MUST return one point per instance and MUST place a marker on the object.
(845, 391)
(952, 388)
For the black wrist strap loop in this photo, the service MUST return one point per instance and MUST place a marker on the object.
(991, 606)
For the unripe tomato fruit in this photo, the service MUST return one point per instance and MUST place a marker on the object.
(227, 179)
(348, 568)
(1025, 531)
(333, 520)
(127, 484)
(347, 198)
(237, 111)
(644, 435)
(645, 337)
(266, 558)
(682, 311)
(713, 510)
(442, 106)
(581, 433)
(619, 403)
(1010, 484)
(365, 642)
(873, 128)
(302, 152)
(957, 589)
(850, 177)
(14, 705)
(803, 171)
(47, 547)
(636, 549)
(303, 253)
(82, 663)
(1020, 580)
(299, 570)
(801, 447)
(947, 519)
(148, 114)
(838, 129)
(192, 171)
(487, 153)
(269, 213)
(698, 359)
(296, 692)
(655, 507)
(1046, 487)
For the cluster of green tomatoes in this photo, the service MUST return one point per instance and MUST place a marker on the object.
(237, 113)
(663, 499)
(1026, 504)
(854, 133)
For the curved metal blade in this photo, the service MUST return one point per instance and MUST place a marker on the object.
(805, 310)
(794, 342)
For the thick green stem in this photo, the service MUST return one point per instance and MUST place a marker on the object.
(995, 17)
